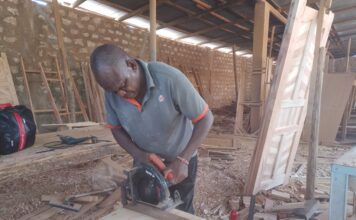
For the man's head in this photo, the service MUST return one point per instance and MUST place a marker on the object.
(116, 71)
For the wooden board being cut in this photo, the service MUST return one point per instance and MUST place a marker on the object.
(285, 110)
(7, 88)
(336, 90)
(124, 213)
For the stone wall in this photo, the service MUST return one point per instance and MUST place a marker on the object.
(28, 30)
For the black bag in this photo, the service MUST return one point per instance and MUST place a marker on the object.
(17, 128)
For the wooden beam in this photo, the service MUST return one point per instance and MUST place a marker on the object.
(138, 11)
(153, 41)
(199, 15)
(316, 81)
(235, 70)
(68, 79)
(189, 12)
(205, 30)
(76, 3)
(260, 41)
(276, 13)
(344, 9)
(204, 5)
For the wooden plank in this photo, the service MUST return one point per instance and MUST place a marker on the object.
(336, 90)
(274, 153)
(7, 87)
(50, 95)
(28, 162)
(143, 212)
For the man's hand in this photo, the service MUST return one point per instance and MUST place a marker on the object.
(180, 171)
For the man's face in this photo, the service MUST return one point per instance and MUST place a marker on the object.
(124, 79)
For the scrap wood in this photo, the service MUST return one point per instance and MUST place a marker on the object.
(274, 194)
(303, 209)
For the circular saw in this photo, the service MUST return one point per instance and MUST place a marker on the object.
(149, 184)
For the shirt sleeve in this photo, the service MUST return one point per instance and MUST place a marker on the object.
(187, 99)
(111, 117)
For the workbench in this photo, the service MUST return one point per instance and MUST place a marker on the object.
(343, 172)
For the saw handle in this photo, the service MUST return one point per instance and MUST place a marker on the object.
(155, 160)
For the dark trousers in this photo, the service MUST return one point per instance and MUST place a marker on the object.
(186, 187)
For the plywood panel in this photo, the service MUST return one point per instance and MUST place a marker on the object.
(7, 88)
(286, 105)
(336, 91)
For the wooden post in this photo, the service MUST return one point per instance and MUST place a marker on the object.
(235, 71)
(315, 95)
(260, 40)
(314, 134)
(68, 77)
(153, 42)
(238, 128)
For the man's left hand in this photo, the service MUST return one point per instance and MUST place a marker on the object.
(180, 171)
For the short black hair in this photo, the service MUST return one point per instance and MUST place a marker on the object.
(106, 55)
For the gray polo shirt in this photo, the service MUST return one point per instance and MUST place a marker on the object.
(163, 124)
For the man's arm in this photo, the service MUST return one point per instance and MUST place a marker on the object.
(200, 131)
(124, 140)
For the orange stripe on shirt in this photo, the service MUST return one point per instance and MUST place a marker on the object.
(112, 126)
(205, 111)
(135, 103)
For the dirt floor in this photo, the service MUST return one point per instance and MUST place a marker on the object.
(219, 182)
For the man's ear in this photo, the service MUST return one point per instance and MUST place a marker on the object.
(131, 63)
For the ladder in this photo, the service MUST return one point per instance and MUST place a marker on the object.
(47, 78)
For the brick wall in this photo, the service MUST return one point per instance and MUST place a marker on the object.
(28, 30)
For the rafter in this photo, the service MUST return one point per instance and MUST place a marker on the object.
(206, 30)
(199, 15)
(189, 12)
(205, 6)
(140, 10)
(345, 20)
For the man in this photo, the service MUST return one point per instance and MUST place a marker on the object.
(153, 108)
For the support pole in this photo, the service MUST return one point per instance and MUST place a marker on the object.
(260, 40)
(314, 133)
(315, 94)
(235, 71)
(153, 42)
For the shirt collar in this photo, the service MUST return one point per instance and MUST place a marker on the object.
(149, 81)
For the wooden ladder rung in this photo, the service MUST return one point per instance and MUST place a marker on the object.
(38, 71)
(53, 80)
